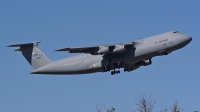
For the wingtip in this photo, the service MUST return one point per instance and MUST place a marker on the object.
(62, 49)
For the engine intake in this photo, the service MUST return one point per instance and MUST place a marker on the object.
(119, 49)
(143, 63)
(103, 50)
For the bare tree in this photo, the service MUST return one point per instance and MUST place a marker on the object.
(144, 104)
(111, 110)
(102, 108)
(174, 108)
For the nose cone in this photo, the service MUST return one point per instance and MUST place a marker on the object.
(183, 40)
(188, 39)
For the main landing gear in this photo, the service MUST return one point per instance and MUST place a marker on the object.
(112, 72)
(113, 67)
(115, 72)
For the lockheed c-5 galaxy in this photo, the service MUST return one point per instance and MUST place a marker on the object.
(103, 58)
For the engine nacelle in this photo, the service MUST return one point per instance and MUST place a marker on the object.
(103, 50)
(143, 63)
(119, 49)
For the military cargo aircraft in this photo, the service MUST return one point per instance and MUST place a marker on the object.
(104, 58)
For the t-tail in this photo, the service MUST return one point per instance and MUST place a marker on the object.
(33, 54)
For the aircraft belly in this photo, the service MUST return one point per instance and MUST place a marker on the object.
(80, 66)
(88, 71)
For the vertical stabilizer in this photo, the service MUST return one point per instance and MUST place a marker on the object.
(33, 54)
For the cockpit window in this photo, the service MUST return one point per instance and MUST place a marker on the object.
(175, 31)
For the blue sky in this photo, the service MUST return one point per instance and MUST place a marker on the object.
(80, 23)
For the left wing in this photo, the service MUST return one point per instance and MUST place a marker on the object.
(90, 50)
(101, 49)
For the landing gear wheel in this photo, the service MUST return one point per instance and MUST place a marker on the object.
(115, 72)
(112, 73)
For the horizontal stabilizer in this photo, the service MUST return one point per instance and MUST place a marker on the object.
(20, 45)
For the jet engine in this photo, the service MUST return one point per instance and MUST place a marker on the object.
(143, 63)
(119, 49)
(103, 50)
(137, 65)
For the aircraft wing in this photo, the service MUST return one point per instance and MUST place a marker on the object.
(90, 50)
(101, 49)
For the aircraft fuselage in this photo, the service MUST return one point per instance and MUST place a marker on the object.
(141, 53)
